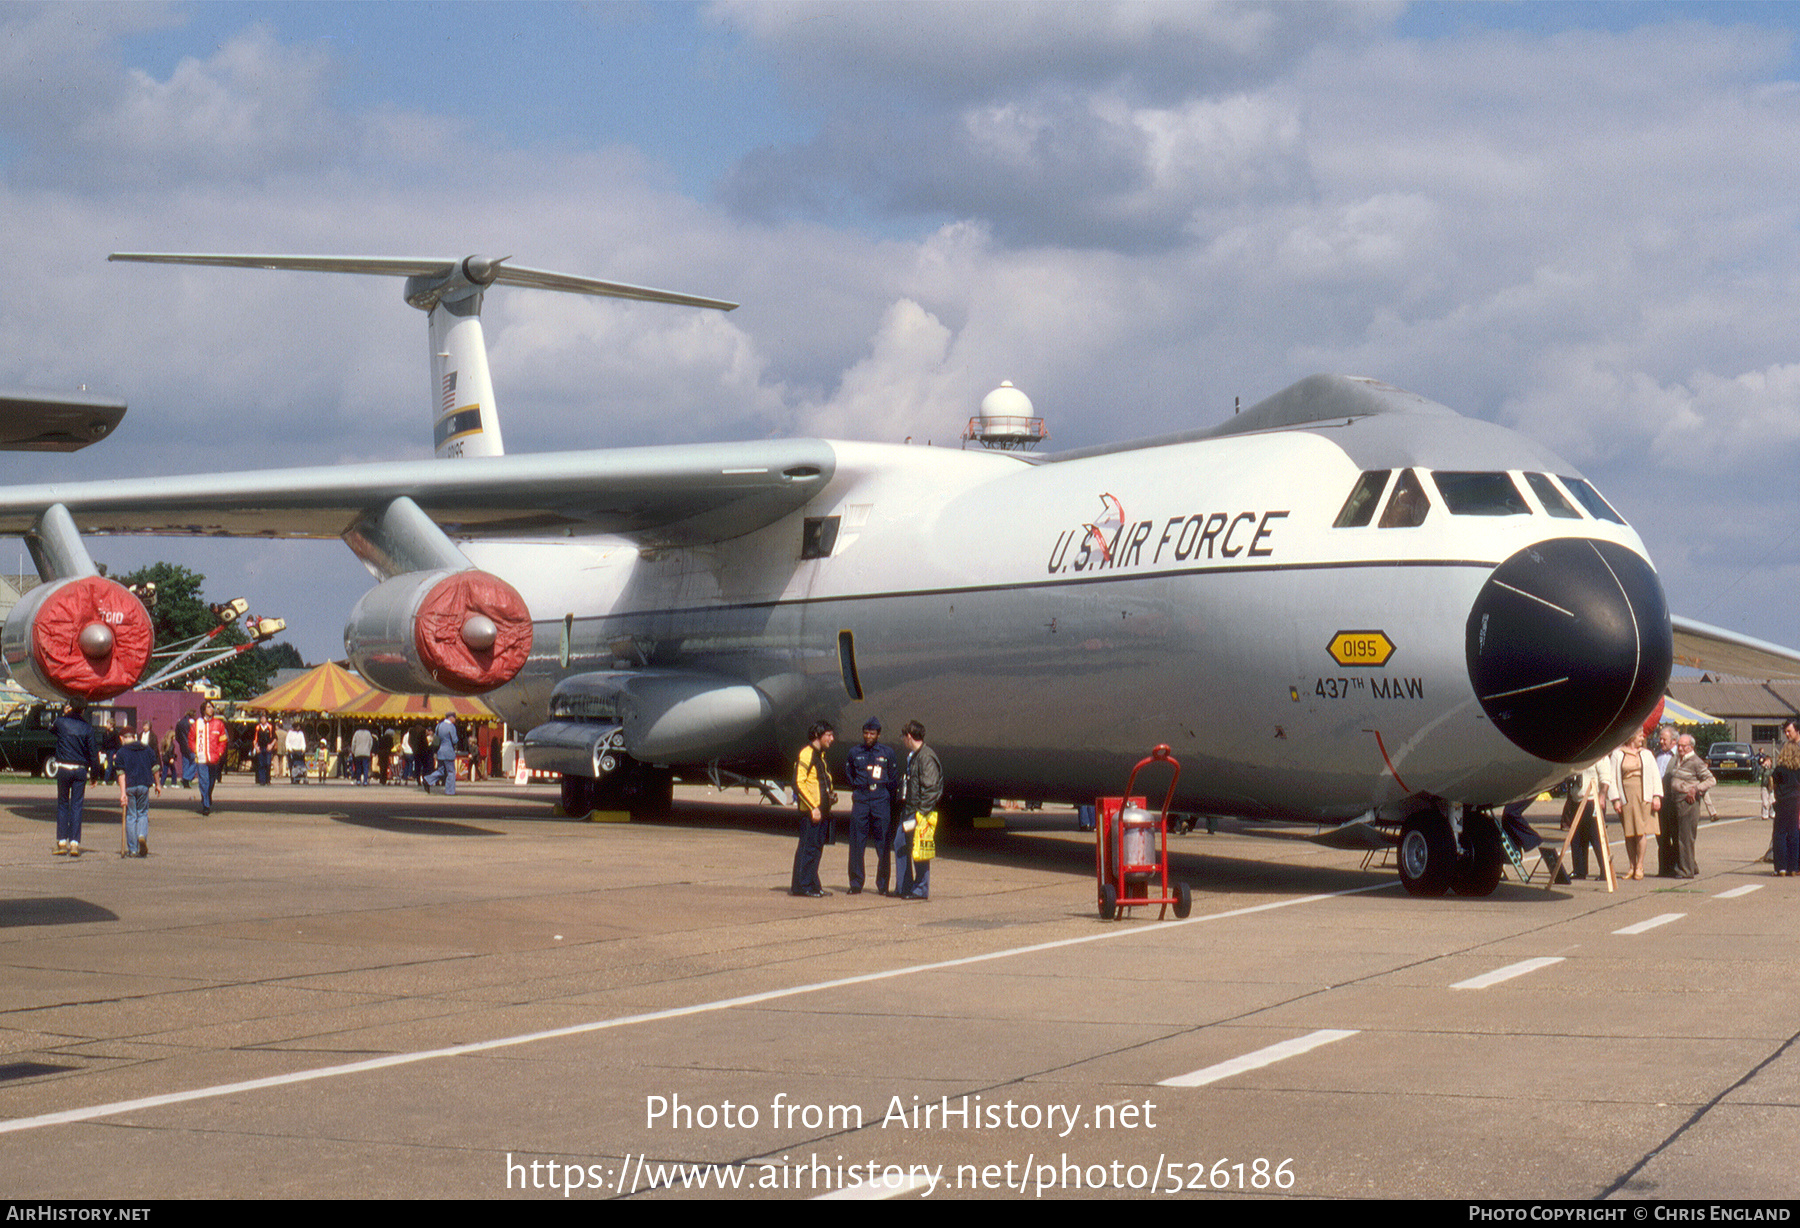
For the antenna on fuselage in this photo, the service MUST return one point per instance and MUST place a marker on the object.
(464, 420)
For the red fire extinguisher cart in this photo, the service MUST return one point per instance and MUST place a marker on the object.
(1131, 850)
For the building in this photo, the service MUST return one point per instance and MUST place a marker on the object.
(1754, 710)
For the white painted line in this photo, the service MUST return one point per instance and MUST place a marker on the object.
(1708, 826)
(1508, 973)
(1258, 1059)
(1652, 923)
(1735, 892)
(621, 1021)
(875, 1191)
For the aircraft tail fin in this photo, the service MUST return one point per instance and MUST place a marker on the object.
(464, 419)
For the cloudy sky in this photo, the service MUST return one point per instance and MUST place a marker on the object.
(1578, 220)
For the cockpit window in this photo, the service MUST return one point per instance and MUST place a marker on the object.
(1360, 507)
(1550, 497)
(1591, 500)
(1409, 506)
(1481, 494)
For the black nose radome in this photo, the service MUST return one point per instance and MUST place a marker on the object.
(1569, 647)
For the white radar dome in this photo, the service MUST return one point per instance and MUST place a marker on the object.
(1006, 401)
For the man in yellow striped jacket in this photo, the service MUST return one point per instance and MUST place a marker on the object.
(813, 794)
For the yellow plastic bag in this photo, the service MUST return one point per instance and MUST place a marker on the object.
(924, 842)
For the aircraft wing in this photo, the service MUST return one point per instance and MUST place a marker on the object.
(686, 493)
(55, 421)
(1726, 652)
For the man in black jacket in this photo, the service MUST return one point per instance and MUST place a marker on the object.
(76, 757)
(924, 790)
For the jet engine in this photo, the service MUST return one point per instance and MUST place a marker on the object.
(82, 637)
(462, 632)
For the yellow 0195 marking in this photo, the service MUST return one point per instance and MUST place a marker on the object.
(1365, 648)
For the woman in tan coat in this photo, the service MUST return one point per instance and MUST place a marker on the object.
(1637, 796)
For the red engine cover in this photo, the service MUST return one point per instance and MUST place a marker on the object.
(56, 638)
(438, 632)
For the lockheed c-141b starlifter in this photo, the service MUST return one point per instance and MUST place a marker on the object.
(1345, 601)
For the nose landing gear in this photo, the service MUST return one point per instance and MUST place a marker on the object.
(1435, 858)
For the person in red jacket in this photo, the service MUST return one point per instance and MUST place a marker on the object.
(210, 740)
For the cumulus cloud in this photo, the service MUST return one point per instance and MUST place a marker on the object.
(254, 109)
(252, 106)
(59, 62)
(1603, 410)
(1070, 156)
(1110, 125)
(593, 373)
(954, 54)
(903, 387)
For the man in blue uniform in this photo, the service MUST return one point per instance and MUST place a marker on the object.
(76, 756)
(874, 772)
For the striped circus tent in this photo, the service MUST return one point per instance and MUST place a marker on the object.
(1676, 712)
(323, 689)
(375, 704)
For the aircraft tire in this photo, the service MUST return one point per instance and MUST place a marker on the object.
(1427, 855)
(1109, 901)
(578, 795)
(1475, 879)
(1184, 901)
(642, 792)
(960, 813)
(655, 794)
(1478, 873)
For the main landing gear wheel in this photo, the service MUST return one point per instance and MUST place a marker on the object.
(578, 795)
(642, 792)
(1109, 901)
(960, 813)
(656, 794)
(1427, 855)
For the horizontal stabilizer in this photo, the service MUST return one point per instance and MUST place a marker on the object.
(55, 421)
(1699, 646)
(502, 274)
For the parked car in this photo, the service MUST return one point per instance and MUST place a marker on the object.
(28, 735)
(1731, 757)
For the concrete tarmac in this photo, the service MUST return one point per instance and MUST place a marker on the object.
(331, 991)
